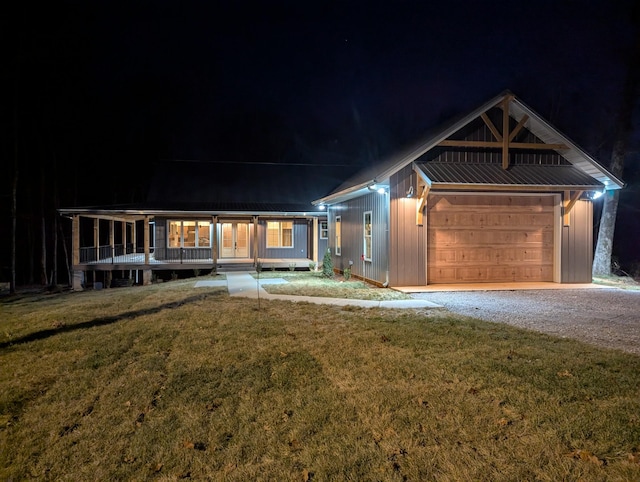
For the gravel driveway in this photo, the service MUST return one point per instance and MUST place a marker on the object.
(608, 318)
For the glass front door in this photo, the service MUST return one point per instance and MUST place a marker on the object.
(235, 240)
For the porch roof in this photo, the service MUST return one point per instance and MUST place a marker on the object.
(195, 209)
(557, 176)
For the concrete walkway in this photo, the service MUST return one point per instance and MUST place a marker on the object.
(245, 285)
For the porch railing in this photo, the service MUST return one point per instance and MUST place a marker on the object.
(121, 254)
(183, 255)
(107, 254)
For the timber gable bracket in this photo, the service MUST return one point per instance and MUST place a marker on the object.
(503, 140)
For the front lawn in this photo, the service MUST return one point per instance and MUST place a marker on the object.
(169, 382)
(310, 283)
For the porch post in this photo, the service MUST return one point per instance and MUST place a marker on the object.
(112, 240)
(124, 235)
(134, 240)
(214, 243)
(315, 242)
(146, 240)
(146, 273)
(76, 282)
(255, 240)
(96, 237)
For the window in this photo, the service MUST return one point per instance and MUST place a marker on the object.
(338, 235)
(279, 234)
(204, 234)
(189, 234)
(324, 230)
(367, 236)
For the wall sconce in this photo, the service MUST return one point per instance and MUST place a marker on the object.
(410, 191)
(378, 189)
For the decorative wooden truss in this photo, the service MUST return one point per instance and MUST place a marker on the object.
(504, 139)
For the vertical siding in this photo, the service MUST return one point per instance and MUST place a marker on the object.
(577, 244)
(323, 244)
(407, 249)
(300, 241)
(352, 213)
(161, 234)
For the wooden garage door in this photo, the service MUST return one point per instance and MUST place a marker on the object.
(489, 238)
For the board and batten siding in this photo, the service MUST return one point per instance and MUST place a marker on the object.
(352, 249)
(300, 240)
(407, 244)
(577, 244)
(161, 232)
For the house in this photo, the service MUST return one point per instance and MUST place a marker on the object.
(201, 216)
(498, 195)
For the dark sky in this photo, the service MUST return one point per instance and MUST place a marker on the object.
(96, 92)
(135, 82)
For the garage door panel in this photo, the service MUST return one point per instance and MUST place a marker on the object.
(490, 238)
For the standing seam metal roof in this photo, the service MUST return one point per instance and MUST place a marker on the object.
(525, 175)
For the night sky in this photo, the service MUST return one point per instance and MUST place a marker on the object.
(97, 92)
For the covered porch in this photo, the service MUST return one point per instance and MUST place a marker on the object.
(138, 243)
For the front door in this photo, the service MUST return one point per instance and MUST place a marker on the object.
(235, 240)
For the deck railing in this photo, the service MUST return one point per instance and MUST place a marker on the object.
(107, 254)
(122, 254)
(183, 255)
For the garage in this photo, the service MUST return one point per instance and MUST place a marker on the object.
(475, 238)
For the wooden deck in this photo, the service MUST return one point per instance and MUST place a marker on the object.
(135, 261)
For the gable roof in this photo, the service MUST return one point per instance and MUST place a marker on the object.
(584, 170)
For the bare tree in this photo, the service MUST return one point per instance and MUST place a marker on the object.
(624, 127)
(14, 216)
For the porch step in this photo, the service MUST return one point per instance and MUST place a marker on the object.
(230, 268)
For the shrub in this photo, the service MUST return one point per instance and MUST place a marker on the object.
(259, 266)
(347, 273)
(312, 266)
(196, 272)
(327, 264)
(292, 266)
(174, 276)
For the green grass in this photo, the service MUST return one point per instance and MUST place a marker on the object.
(309, 283)
(168, 382)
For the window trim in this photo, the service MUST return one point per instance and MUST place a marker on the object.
(338, 236)
(367, 238)
(324, 229)
(280, 235)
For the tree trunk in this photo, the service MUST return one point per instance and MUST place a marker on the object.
(43, 231)
(43, 253)
(66, 254)
(14, 216)
(624, 127)
(54, 277)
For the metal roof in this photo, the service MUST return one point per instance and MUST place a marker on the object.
(516, 175)
(168, 208)
(381, 171)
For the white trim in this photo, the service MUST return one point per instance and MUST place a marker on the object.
(365, 235)
(325, 229)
